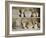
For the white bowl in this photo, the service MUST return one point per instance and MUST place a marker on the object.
(28, 14)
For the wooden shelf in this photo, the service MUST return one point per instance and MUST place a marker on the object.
(26, 17)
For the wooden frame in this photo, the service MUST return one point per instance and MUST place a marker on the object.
(7, 16)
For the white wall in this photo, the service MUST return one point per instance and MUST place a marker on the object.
(2, 18)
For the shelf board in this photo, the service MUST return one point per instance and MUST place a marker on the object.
(26, 17)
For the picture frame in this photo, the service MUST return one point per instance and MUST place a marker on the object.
(17, 13)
